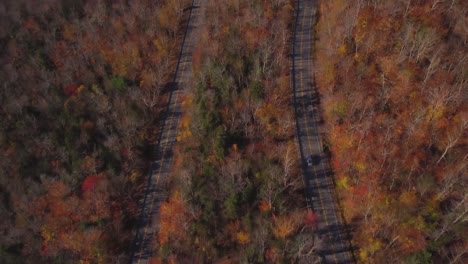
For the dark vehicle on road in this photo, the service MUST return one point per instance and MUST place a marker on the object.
(309, 160)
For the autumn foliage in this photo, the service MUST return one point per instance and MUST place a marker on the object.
(172, 217)
(80, 106)
(90, 182)
(392, 79)
(72, 223)
(237, 163)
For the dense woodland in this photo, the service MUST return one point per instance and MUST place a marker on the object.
(237, 191)
(83, 85)
(82, 88)
(392, 77)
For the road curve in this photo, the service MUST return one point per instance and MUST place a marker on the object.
(143, 246)
(333, 242)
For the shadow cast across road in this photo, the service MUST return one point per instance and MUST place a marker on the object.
(335, 246)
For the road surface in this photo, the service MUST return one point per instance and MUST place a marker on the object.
(143, 247)
(333, 245)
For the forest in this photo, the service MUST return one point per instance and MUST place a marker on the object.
(237, 192)
(392, 76)
(83, 84)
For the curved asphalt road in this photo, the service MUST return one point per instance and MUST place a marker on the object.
(161, 167)
(333, 244)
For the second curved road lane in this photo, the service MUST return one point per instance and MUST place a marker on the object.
(333, 245)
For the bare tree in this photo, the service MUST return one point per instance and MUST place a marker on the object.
(453, 137)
